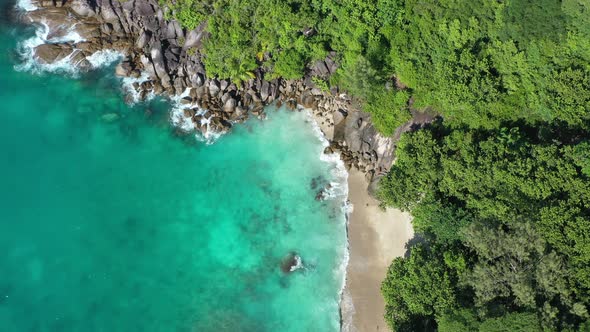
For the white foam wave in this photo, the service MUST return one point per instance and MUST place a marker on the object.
(43, 35)
(128, 84)
(337, 190)
(71, 36)
(210, 136)
(104, 58)
(298, 264)
(178, 119)
(26, 5)
(347, 311)
(26, 51)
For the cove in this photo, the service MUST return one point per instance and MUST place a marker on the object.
(112, 220)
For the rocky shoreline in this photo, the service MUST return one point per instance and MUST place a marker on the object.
(170, 57)
(163, 59)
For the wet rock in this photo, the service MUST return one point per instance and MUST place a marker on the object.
(88, 47)
(317, 182)
(258, 110)
(291, 263)
(123, 69)
(291, 104)
(78, 60)
(51, 53)
(323, 193)
(219, 125)
(188, 113)
(186, 100)
(88, 31)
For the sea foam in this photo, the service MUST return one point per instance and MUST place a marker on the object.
(178, 119)
(26, 5)
(104, 58)
(338, 191)
(26, 51)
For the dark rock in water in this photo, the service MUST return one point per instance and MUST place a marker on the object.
(292, 104)
(51, 53)
(323, 193)
(317, 182)
(123, 69)
(320, 196)
(148, 112)
(291, 263)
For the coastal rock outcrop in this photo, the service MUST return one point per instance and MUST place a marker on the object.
(170, 57)
(291, 263)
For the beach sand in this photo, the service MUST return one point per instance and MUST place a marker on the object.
(375, 238)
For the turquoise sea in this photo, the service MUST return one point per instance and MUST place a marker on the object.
(129, 225)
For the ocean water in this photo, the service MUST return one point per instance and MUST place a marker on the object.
(113, 220)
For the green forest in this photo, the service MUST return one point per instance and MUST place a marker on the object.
(499, 185)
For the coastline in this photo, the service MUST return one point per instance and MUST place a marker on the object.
(210, 107)
(375, 238)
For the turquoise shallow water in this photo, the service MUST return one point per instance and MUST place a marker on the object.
(127, 226)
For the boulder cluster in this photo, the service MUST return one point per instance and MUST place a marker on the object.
(170, 57)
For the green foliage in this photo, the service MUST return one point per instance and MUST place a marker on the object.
(508, 210)
(416, 288)
(190, 13)
(477, 63)
(458, 320)
(481, 63)
(513, 322)
(389, 109)
(321, 84)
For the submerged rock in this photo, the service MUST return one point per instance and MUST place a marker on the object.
(291, 263)
(323, 193)
(110, 117)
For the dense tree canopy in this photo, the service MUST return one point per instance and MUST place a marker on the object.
(506, 213)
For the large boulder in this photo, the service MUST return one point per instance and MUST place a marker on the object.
(159, 65)
(88, 30)
(230, 105)
(144, 8)
(82, 8)
(143, 39)
(52, 53)
(194, 37)
(363, 138)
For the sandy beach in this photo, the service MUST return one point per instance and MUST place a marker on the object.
(375, 237)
